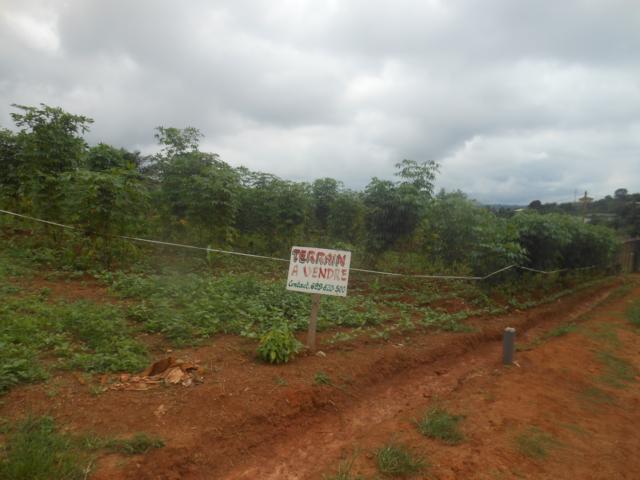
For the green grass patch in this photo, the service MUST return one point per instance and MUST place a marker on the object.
(633, 314)
(604, 333)
(138, 444)
(596, 395)
(37, 335)
(617, 371)
(441, 425)
(344, 472)
(321, 378)
(189, 308)
(535, 443)
(396, 459)
(36, 449)
(560, 331)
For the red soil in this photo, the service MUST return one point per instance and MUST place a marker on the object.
(255, 421)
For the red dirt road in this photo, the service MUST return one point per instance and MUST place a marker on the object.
(253, 421)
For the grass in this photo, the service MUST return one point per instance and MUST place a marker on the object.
(535, 443)
(79, 335)
(596, 395)
(617, 371)
(321, 378)
(633, 314)
(560, 331)
(35, 449)
(395, 459)
(344, 472)
(441, 425)
(138, 444)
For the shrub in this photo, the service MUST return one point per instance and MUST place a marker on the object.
(441, 425)
(278, 345)
(397, 460)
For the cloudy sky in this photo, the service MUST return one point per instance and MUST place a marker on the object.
(516, 100)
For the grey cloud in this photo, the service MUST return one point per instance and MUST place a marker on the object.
(347, 89)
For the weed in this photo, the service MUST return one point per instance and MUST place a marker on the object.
(535, 443)
(278, 345)
(344, 472)
(633, 314)
(281, 382)
(595, 395)
(321, 378)
(560, 331)
(35, 450)
(138, 444)
(441, 425)
(396, 459)
(604, 332)
(82, 335)
(617, 370)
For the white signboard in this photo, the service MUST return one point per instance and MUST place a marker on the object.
(319, 270)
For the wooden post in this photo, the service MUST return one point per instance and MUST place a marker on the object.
(313, 322)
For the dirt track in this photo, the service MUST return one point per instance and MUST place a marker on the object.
(251, 421)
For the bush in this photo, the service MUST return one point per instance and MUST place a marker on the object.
(278, 345)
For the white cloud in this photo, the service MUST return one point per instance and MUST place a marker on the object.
(516, 103)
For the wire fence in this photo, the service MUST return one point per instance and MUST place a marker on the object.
(277, 259)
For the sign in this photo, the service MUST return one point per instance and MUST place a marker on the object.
(319, 270)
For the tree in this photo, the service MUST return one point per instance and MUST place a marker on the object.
(50, 140)
(325, 192)
(392, 212)
(10, 184)
(419, 175)
(198, 191)
(535, 205)
(621, 193)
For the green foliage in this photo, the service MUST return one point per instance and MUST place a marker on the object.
(438, 423)
(82, 335)
(596, 395)
(35, 450)
(617, 371)
(189, 308)
(559, 241)
(321, 378)
(395, 459)
(633, 314)
(278, 345)
(535, 443)
(138, 444)
(344, 472)
(462, 232)
(392, 213)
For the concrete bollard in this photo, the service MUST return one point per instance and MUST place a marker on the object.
(508, 345)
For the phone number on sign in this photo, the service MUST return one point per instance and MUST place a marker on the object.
(321, 287)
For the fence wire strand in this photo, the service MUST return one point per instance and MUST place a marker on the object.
(277, 259)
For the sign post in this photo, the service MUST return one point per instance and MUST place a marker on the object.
(318, 271)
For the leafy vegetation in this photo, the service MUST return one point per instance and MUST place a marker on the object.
(278, 345)
(633, 314)
(79, 335)
(535, 443)
(35, 449)
(344, 472)
(183, 194)
(441, 425)
(395, 459)
(617, 371)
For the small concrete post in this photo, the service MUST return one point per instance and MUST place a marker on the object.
(508, 345)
